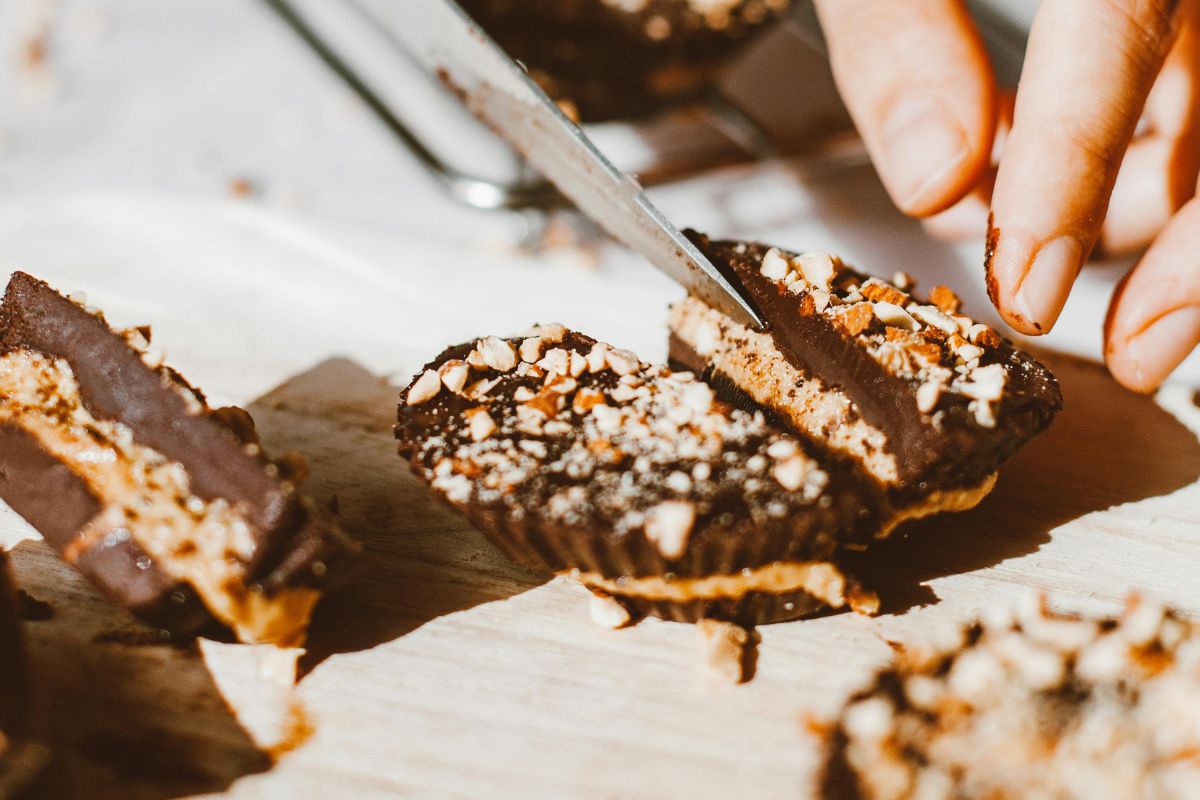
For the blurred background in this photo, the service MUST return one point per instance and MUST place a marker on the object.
(163, 134)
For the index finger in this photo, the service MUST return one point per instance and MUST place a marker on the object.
(1089, 69)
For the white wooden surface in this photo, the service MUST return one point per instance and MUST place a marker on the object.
(442, 670)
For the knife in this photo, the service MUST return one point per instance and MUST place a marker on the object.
(446, 43)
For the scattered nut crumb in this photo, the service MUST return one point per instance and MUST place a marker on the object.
(608, 612)
(425, 389)
(729, 650)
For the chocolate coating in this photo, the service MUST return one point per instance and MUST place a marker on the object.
(954, 452)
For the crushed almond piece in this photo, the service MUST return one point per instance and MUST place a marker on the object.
(475, 359)
(623, 362)
(927, 396)
(808, 305)
(987, 338)
(877, 291)
(497, 353)
(556, 361)
(903, 281)
(669, 526)
(892, 314)
(934, 318)
(608, 612)
(425, 389)
(480, 424)
(855, 319)
(818, 269)
(531, 349)
(945, 299)
(597, 357)
(586, 399)
(728, 650)
(578, 364)
(862, 601)
(774, 265)
(792, 472)
(454, 374)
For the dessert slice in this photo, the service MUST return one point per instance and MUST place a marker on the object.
(1044, 705)
(170, 508)
(926, 399)
(22, 753)
(576, 457)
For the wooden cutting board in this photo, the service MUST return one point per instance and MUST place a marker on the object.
(444, 671)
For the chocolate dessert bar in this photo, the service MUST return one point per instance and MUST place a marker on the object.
(926, 399)
(577, 457)
(1043, 705)
(169, 507)
(22, 751)
(614, 59)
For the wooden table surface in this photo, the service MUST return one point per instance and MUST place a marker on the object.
(444, 671)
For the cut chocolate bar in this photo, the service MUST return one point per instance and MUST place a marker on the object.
(23, 752)
(577, 457)
(615, 59)
(1043, 705)
(170, 508)
(928, 400)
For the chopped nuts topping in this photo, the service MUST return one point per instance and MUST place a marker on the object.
(425, 389)
(1077, 706)
(480, 424)
(818, 269)
(531, 349)
(774, 265)
(640, 448)
(497, 354)
(927, 396)
(892, 314)
(920, 342)
(945, 299)
(454, 375)
(622, 362)
(854, 319)
(791, 473)
(597, 357)
(669, 525)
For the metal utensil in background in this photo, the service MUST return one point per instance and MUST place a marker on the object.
(445, 42)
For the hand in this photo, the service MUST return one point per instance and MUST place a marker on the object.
(1076, 170)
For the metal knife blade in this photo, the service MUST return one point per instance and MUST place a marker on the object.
(444, 40)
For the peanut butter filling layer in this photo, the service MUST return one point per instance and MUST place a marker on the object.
(146, 499)
(752, 361)
(820, 579)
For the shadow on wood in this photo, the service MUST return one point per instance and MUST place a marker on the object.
(130, 717)
(420, 561)
(1107, 447)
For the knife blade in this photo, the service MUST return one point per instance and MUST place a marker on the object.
(443, 39)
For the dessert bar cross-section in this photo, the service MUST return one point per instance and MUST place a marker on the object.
(169, 507)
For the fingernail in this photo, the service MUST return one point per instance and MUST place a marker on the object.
(922, 143)
(1043, 291)
(1157, 351)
